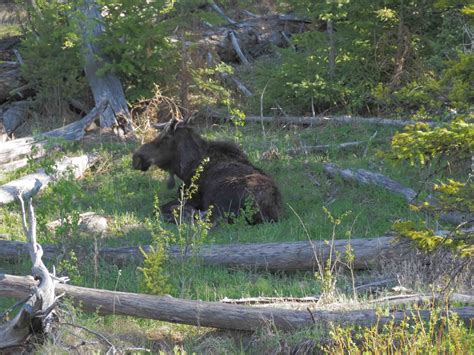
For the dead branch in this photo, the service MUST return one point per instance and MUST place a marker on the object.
(35, 315)
(211, 314)
(217, 9)
(327, 147)
(269, 300)
(235, 44)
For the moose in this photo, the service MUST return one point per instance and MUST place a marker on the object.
(227, 183)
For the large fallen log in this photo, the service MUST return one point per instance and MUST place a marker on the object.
(28, 184)
(320, 120)
(210, 314)
(366, 177)
(290, 256)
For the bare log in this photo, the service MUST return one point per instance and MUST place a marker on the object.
(321, 120)
(10, 79)
(13, 153)
(27, 184)
(35, 315)
(327, 147)
(210, 314)
(370, 178)
(107, 87)
(290, 256)
(269, 300)
(366, 177)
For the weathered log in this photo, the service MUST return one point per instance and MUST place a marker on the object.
(105, 87)
(321, 120)
(210, 314)
(13, 153)
(35, 315)
(366, 177)
(290, 256)
(236, 46)
(420, 299)
(327, 147)
(27, 184)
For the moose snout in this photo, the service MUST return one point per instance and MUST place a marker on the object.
(139, 162)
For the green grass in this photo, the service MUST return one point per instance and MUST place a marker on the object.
(114, 189)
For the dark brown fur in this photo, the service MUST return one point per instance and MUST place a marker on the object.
(228, 179)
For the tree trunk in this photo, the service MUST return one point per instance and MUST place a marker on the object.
(105, 87)
(209, 314)
(288, 256)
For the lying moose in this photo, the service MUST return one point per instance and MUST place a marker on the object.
(228, 180)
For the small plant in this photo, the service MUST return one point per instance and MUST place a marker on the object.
(443, 333)
(190, 233)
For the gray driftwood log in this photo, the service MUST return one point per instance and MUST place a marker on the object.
(289, 256)
(366, 177)
(210, 314)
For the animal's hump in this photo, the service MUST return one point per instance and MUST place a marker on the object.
(228, 149)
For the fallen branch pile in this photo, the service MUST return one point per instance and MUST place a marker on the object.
(210, 314)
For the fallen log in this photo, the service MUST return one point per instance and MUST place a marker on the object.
(366, 177)
(320, 120)
(13, 153)
(328, 147)
(211, 314)
(27, 184)
(289, 256)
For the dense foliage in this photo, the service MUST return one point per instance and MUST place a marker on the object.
(384, 57)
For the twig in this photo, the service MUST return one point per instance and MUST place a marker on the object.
(375, 284)
(97, 334)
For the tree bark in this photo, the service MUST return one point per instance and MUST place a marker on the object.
(210, 314)
(106, 87)
(288, 256)
(27, 184)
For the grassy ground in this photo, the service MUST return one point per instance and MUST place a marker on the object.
(126, 197)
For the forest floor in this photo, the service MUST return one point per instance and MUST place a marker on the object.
(311, 202)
